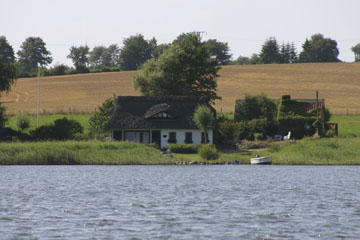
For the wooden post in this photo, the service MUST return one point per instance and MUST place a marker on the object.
(317, 105)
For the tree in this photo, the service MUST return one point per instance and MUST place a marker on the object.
(80, 58)
(254, 107)
(136, 52)
(220, 50)
(6, 51)
(241, 60)
(8, 72)
(33, 54)
(307, 53)
(96, 58)
(356, 50)
(288, 53)
(112, 56)
(255, 59)
(102, 56)
(184, 69)
(319, 49)
(203, 118)
(22, 122)
(270, 52)
(159, 49)
(3, 118)
(98, 121)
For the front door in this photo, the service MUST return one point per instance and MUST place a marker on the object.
(156, 137)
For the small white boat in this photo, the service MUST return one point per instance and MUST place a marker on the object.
(261, 160)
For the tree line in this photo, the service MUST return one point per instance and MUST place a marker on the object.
(136, 50)
(316, 49)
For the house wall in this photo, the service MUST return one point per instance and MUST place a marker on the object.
(180, 136)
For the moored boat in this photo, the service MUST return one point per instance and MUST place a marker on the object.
(261, 160)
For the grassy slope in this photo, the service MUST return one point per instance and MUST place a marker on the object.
(338, 83)
(118, 153)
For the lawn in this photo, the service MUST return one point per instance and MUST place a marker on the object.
(349, 125)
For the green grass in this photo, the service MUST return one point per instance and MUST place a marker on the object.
(50, 118)
(326, 151)
(87, 153)
(349, 125)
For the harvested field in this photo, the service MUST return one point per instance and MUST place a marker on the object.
(338, 83)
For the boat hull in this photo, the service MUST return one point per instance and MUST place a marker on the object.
(260, 160)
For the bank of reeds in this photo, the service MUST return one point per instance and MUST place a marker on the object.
(327, 151)
(85, 153)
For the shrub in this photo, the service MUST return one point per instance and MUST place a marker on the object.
(298, 125)
(208, 152)
(62, 129)
(181, 148)
(22, 122)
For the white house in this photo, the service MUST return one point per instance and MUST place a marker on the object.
(162, 120)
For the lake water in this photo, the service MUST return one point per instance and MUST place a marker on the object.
(179, 202)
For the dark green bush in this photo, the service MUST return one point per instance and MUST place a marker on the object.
(62, 129)
(182, 148)
(299, 126)
(208, 152)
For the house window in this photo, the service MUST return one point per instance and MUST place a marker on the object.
(188, 137)
(162, 115)
(203, 137)
(137, 136)
(117, 135)
(172, 137)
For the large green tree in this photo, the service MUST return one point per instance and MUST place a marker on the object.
(104, 56)
(80, 58)
(33, 54)
(6, 51)
(270, 51)
(319, 49)
(356, 50)
(253, 107)
(183, 69)
(136, 51)
(7, 72)
(220, 50)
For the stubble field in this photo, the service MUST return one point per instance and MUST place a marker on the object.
(338, 83)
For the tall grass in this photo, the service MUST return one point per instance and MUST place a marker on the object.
(328, 151)
(349, 125)
(48, 153)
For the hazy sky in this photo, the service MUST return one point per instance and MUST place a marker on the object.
(244, 24)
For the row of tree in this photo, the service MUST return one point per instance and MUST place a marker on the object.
(135, 52)
(316, 49)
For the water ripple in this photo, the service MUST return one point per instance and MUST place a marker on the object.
(179, 202)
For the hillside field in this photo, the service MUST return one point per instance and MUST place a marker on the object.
(338, 83)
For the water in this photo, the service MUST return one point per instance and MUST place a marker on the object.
(179, 202)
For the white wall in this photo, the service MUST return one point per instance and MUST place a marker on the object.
(180, 136)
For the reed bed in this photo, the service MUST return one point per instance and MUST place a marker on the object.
(328, 151)
(83, 153)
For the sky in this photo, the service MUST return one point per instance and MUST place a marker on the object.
(243, 24)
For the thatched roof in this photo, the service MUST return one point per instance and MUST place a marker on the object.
(132, 112)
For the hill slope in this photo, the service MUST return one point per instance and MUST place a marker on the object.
(338, 83)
